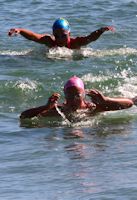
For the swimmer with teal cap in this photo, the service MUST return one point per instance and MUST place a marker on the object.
(75, 100)
(61, 35)
(61, 23)
(61, 32)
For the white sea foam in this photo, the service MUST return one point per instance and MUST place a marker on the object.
(15, 53)
(88, 52)
(92, 78)
(26, 84)
(65, 53)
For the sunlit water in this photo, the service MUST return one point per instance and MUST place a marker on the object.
(89, 158)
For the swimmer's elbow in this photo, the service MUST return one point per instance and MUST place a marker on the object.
(131, 103)
(128, 104)
(26, 114)
(22, 116)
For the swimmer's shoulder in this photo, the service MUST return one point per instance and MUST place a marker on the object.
(48, 40)
(77, 42)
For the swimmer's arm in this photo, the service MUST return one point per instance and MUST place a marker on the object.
(82, 41)
(36, 37)
(104, 103)
(112, 104)
(96, 34)
(45, 110)
(33, 112)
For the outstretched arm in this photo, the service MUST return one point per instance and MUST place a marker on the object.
(104, 103)
(82, 41)
(96, 34)
(36, 37)
(45, 110)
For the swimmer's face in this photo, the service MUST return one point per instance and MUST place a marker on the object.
(74, 95)
(61, 37)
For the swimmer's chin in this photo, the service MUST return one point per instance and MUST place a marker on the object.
(61, 45)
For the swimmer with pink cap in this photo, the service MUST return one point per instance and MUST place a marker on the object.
(75, 100)
(74, 81)
(75, 93)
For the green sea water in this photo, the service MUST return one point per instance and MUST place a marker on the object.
(94, 158)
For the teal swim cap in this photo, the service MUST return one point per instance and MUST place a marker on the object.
(61, 23)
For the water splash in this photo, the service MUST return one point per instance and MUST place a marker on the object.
(129, 87)
(65, 53)
(112, 83)
(62, 115)
(63, 122)
(110, 117)
(59, 53)
(86, 122)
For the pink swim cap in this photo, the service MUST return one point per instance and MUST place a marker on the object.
(74, 81)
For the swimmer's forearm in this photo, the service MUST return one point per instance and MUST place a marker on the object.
(82, 41)
(33, 112)
(95, 35)
(111, 104)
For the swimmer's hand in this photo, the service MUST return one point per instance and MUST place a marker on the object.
(108, 28)
(14, 32)
(97, 97)
(52, 101)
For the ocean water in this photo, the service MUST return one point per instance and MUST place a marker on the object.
(51, 159)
